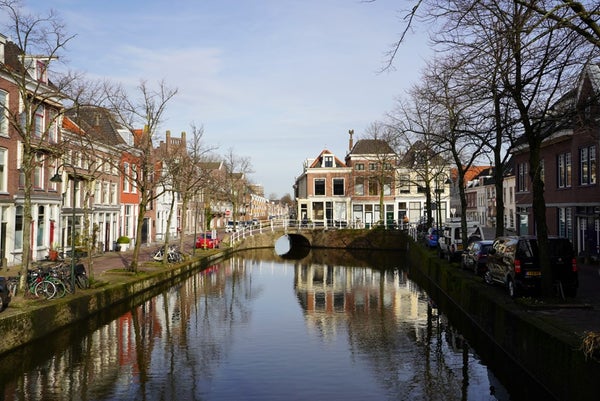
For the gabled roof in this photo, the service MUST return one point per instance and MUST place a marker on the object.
(418, 152)
(371, 147)
(471, 172)
(98, 123)
(319, 160)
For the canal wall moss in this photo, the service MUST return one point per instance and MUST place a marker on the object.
(503, 329)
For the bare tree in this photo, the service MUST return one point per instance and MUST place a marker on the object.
(146, 109)
(458, 126)
(235, 188)
(581, 17)
(423, 162)
(34, 110)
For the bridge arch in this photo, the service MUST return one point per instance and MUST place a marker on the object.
(292, 246)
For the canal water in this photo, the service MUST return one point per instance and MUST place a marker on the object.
(258, 327)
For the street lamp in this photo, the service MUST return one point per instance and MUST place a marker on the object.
(57, 179)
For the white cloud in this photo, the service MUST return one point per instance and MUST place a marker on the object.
(277, 80)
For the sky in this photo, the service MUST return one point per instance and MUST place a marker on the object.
(274, 81)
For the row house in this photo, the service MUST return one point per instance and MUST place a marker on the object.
(39, 133)
(569, 156)
(100, 154)
(481, 197)
(168, 201)
(373, 184)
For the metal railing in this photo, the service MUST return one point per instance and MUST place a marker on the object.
(285, 225)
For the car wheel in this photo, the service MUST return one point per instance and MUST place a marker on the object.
(487, 277)
(510, 286)
(1, 304)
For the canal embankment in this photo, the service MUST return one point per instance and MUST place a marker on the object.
(501, 328)
(28, 320)
(539, 343)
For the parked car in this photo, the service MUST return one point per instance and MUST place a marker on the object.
(431, 237)
(207, 241)
(4, 294)
(450, 241)
(515, 262)
(475, 256)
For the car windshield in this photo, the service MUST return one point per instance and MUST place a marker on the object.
(206, 236)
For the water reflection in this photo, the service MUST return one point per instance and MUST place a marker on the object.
(258, 327)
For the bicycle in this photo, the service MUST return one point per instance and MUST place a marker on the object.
(173, 254)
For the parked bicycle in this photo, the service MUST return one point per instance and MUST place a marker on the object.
(174, 255)
(51, 281)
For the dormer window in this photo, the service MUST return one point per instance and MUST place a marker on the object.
(327, 161)
(40, 71)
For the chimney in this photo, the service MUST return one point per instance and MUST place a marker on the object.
(350, 142)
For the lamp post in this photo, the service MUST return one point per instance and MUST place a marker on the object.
(57, 179)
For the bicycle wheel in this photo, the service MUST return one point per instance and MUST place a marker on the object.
(61, 288)
(45, 289)
(82, 281)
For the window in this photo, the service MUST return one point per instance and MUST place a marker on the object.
(328, 161)
(53, 128)
(542, 171)
(372, 166)
(404, 183)
(134, 178)
(127, 219)
(3, 169)
(125, 177)
(3, 113)
(387, 166)
(338, 186)
(587, 165)
(387, 186)
(319, 186)
(373, 187)
(97, 190)
(564, 170)
(105, 198)
(565, 223)
(40, 69)
(19, 227)
(38, 172)
(359, 186)
(52, 163)
(113, 193)
(522, 177)
(40, 225)
(359, 167)
(39, 121)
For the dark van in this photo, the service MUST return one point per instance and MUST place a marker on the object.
(514, 262)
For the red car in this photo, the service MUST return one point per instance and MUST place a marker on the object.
(206, 241)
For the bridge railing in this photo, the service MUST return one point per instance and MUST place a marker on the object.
(285, 225)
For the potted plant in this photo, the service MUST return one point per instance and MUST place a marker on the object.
(123, 243)
(53, 252)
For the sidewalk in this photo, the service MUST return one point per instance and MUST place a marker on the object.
(580, 318)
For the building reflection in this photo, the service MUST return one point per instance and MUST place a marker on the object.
(331, 293)
(382, 311)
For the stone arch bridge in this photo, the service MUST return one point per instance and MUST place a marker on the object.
(265, 236)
